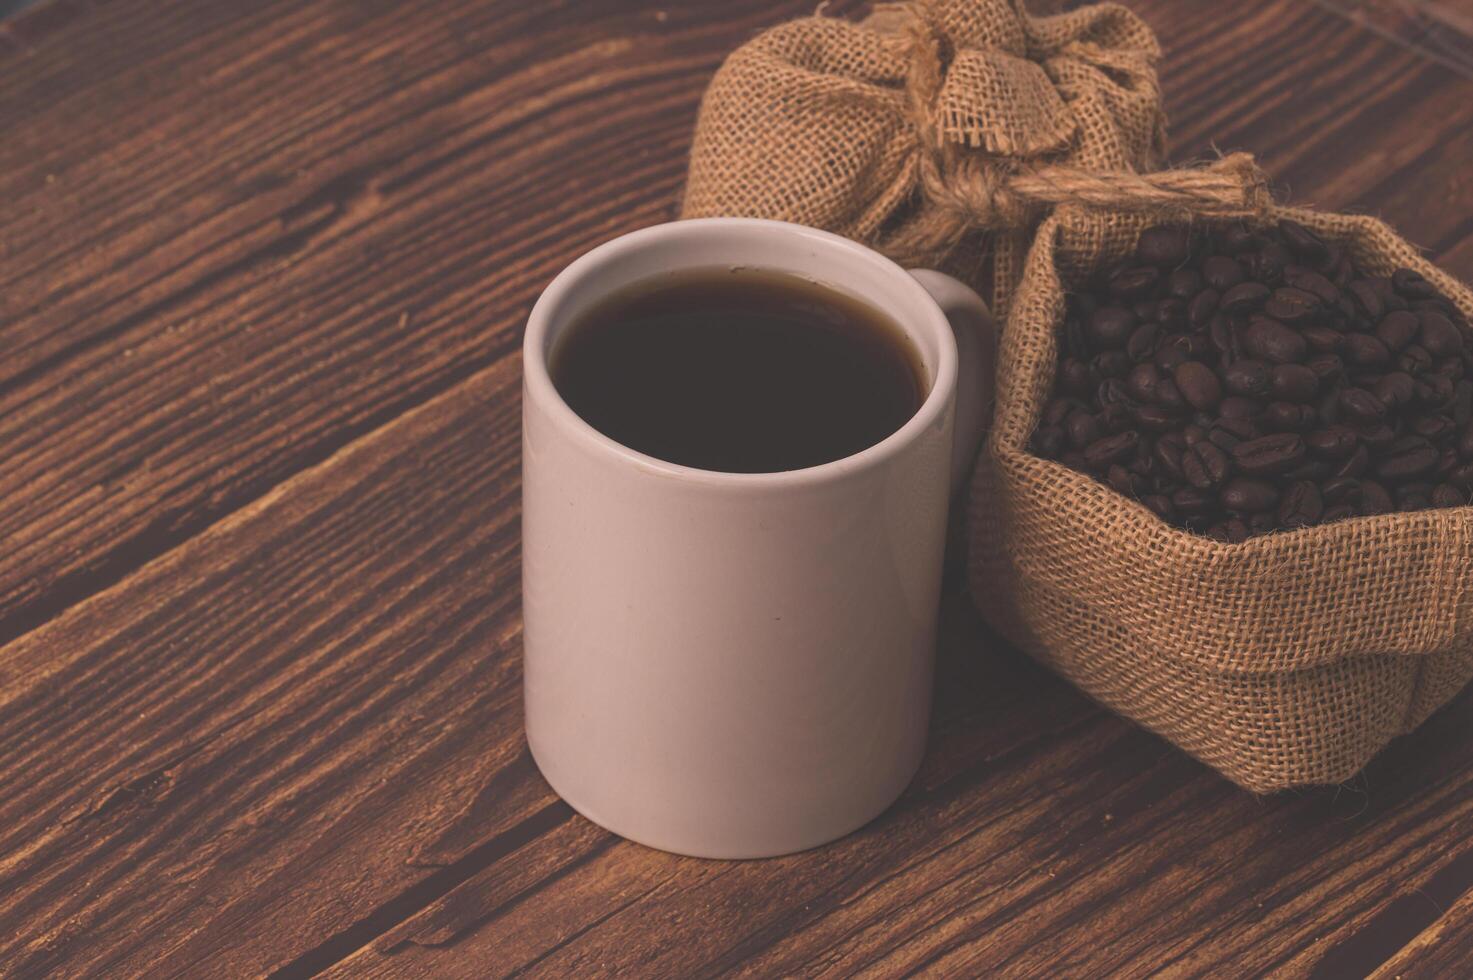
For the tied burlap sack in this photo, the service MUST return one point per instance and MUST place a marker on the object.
(1286, 660)
(928, 125)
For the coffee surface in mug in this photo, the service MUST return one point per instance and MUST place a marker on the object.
(739, 371)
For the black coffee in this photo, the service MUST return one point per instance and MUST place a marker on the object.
(741, 371)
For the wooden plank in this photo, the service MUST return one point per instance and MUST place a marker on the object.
(238, 236)
(1441, 30)
(1442, 950)
(268, 732)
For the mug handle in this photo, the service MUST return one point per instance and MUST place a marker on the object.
(976, 352)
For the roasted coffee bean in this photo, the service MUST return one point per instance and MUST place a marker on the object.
(1202, 307)
(1323, 340)
(1192, 502)
(1236, 530)
(1268, 263)
(1328, 408)
(1199, 385)
(1377, 438)
(1171, 313)
(1169, 356)
(1135, 281)
(1294, 383)
(1168, 455)
(1160, 505)
(1111, 364)
(1076, 378)
(1239, 428)
(1305, 243)
(1238, 407)
(1141, 382)
(1364, 350)
(1120, 480)
(1447, 495)
(1205, 466)
(1301, 505)
(1411, 285)
(1314, 470)
(1222, 272)
(1249, 378)
(1169, 396)
(1327, 368)
(1269, 454)
(1406, 458)
(1262, 523)
(1144, 310)
(1288, 417)
(1409, 500)
(1462, 477)
(1048, 439)
(1362, 406)
(1112, 449)
(1155, 418)
(1374, 499)
(1435, 391)
(1236, 238)
(1368, 299)
(1355, 464)
(1332, 442)
(1341, 490)
(1270, 340)
(1398, 329)
(1082, 428)
(1111, 391)
(1465, 442)
(1245, 297)
(1184, 284)
(1435, 427)
(1290, 305)
(1337, 513)
(1451, 368)
(1109, 326)
(1166, 246)
(1116, 417)
(1414, 359)
(1142, 341)
(1056, 411)
(1249, 496)
(1310, 281)
(1396, 388)
(1438, 334)
(1193, 434)
(1439, 304)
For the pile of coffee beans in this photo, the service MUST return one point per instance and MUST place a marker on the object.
(1238, 381)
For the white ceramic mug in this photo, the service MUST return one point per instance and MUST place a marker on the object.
(739, 664)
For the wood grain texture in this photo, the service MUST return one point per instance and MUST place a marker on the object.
(1441, 30)
(264, 271)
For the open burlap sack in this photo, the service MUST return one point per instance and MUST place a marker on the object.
(928, 126)
(1289, 659)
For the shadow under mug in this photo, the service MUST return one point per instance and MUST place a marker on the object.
(739, 665)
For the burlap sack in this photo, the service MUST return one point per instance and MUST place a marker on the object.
(1286, 660)
(906, 131)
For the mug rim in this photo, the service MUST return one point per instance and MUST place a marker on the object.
(538, 384)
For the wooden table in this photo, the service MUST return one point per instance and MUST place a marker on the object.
(265, 270)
